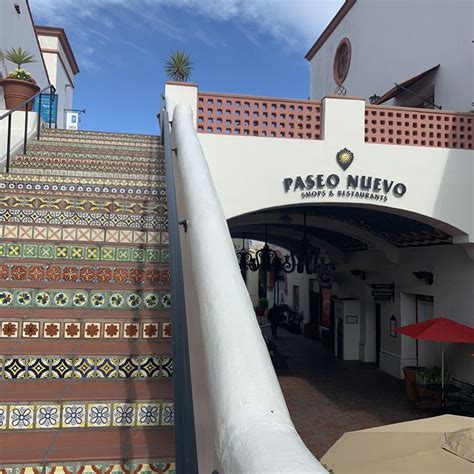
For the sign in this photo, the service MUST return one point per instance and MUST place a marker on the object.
(45, 107)
(72, 120)
(351, 186)
(383, 291)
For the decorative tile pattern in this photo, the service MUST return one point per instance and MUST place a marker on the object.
(84, 367)
(52, 251)
(84, 274)
(73, 234)
(82, 205)
(148, 466)
(85, 414)
(83, 219)
(91, 299)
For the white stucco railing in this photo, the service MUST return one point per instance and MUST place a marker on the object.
(242, 422)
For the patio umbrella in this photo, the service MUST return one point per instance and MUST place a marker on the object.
(439, 330)
(439, 444)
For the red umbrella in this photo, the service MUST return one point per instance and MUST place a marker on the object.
(441, 330)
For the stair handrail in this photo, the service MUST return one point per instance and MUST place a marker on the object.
(185, 436)
(24, 105)
(242, 421)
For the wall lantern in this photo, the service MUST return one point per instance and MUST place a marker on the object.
(425, 277)
(17, 8)
(360, 274)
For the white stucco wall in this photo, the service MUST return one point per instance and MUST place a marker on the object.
(394, 40)
(60, 73)
(438, 180)
(17, 30)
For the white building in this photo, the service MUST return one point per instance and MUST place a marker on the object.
(424, 46)
(55, 62)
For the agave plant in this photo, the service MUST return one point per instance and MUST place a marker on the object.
(19, 56)
(178, 66)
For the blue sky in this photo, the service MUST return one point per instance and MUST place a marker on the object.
(253, 47)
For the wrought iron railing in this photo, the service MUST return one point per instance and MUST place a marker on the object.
(25, 105)
(185, 436)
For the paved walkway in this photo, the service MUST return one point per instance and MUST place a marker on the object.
(327, 397)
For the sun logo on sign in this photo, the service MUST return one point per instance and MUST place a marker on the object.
(344, 158)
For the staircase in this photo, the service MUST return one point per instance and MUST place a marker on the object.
(85, 331)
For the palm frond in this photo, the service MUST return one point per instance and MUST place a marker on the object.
(178, 66)
(19, 56)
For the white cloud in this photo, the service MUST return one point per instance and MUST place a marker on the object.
(293, 23)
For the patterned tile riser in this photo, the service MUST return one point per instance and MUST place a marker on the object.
(79, 235)
(47, 367)
(76, 253)
(107, 330)
(26, 216)
(99, 133)
(106, 149)
(82, 204)
(85, 415)
(97, 157)
(64, 182)
(99, 142)
(81, 299)
(52, 187)
(145, 466)
(86, 165)
(85, 274)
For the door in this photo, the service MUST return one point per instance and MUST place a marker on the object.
(378, 329)
(425, 350)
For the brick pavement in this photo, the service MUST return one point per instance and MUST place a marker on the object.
(327, 397)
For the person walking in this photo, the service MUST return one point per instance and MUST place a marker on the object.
(274, 318)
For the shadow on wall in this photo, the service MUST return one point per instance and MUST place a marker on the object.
(17, 134)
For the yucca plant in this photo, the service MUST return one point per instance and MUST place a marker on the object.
(178, 66)
(19, 56)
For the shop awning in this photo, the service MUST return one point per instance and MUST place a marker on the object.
(398, 89)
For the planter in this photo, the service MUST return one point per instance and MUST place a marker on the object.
(260, 311)
(411, 379)
(16, 91)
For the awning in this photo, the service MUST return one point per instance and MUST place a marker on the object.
(394, 91)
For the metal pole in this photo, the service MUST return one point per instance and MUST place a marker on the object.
(442, 373)
(38, 126)
(9, 136)
(25, 135)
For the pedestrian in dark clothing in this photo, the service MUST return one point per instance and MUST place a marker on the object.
(274, 317)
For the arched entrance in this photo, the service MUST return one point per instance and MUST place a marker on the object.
(356, 273)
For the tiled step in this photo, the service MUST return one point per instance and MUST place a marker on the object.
(94, 156)
(117, 444)
(119, 174)
(129, 167)
(105, 142)
(90, 145)
(61, 390)
(98, 134)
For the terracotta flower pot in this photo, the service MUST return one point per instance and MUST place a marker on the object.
(16, 91)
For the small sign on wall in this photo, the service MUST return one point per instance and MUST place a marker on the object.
(72, 120)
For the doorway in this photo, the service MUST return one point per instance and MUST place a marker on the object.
(378, 329)
(425, 350)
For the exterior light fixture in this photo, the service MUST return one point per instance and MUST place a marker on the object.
(17, 8)
(374, 98)
(425, 277)
(360, 274)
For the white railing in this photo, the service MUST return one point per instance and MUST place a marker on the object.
(242, 422)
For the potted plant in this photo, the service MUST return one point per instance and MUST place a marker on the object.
(262, 306)
(19, 85)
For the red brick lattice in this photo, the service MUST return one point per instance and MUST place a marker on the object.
(418, 127)
(230, 114)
